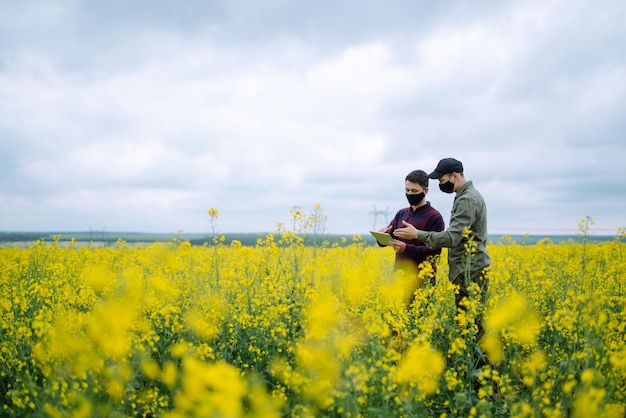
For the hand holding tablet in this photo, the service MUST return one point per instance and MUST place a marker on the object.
(382, 237)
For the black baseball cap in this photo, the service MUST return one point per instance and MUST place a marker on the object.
(447, 165)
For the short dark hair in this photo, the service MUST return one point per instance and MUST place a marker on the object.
(418, 176)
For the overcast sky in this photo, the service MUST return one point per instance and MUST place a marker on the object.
(141, 115)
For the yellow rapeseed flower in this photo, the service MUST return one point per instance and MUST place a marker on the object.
(169, 375)
(514, 315)
(110, 326)
(210, 390)
(589, 403)
(421, 365)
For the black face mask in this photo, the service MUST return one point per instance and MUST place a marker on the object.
(415, 199)
(447, 187)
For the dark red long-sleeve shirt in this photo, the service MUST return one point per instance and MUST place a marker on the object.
(424, 218)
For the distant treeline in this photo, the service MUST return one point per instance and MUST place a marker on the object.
(108, 238)
(246, 239)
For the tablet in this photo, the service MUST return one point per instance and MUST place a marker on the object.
(381, 237)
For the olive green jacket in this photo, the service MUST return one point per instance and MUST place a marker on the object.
(468, 210)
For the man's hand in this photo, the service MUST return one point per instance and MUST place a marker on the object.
(398, 246)
(408, 232)
(385, 230)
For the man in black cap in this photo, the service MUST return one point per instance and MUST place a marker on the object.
(469, 212)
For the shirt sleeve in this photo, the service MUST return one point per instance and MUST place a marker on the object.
(393, 226)
(435, 223)
(463, 215)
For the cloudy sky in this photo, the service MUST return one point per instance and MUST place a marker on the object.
(141, 115)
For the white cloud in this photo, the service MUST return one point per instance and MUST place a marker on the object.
(364, 73)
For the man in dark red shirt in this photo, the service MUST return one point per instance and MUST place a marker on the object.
(410, 253)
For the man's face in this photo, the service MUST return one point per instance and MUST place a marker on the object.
(448, 182)
(414, 188)
(446, 177)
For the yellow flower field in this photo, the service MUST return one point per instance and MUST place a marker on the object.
(283, 329)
